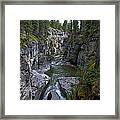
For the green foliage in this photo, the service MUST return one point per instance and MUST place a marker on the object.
(55, 24)
(24, 41)
(65, 25)
(69, 26)
(90, 28)
(35, 30)
(75, 26)
(88, 87)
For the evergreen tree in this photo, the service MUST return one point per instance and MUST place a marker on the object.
(69, 27)
(46, 26)
(40, 27)
(75, 27)
(52, 23)
(56, 24)
(35, 25)
(65, 25)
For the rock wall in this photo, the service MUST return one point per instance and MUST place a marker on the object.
(36, 57)
(84, 49)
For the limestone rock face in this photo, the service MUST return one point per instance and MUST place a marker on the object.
(80, 54)
(83, 51)
(35, 59)
(24, 78)
(87, 54)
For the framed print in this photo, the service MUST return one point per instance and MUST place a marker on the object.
(59, 59)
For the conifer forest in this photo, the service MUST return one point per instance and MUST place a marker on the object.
(59, 60)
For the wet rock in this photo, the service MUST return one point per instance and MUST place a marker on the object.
(68, 82)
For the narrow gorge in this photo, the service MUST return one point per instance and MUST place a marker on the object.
(59, 61)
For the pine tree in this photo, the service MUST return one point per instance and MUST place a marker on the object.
(65, 25)
(69, 27)
(75, 27)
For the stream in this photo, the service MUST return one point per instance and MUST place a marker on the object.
(56, 77)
